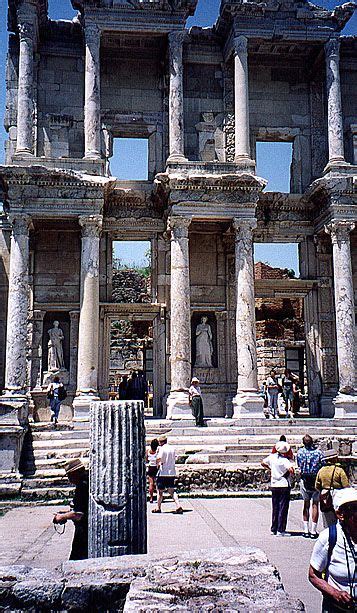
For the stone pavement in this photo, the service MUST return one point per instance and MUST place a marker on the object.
(28, 537)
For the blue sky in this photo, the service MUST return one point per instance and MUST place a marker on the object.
(267, 161)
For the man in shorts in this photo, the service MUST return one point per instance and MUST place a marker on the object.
(309, 460)
(165, 479)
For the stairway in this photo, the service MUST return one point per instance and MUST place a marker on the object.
(224, 444)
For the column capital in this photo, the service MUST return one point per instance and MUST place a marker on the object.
(176, 40)
(243, 228)
(38, 315)
(340, 230)
(20, 222)
(179, 226)
(332, 47)
(92, 33)
(74, 315)
(91, 225)
(240, 45)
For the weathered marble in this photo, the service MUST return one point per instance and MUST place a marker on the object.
(25, 98)
(241, 101)
(176, 109)
(117, 504)
(334, 104)
(180, 324)
(92, 120)
(247, 402)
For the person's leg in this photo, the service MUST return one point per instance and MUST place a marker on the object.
(314, 516)
(151, 489)
(306, 515)
(52, 405)
(175, 498)
(160, 495)
(275, 404)
(283, 509)
(57, 409)
(274, 509)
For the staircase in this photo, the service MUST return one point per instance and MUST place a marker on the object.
(222, 448)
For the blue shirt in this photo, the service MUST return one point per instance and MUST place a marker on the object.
(310, 460)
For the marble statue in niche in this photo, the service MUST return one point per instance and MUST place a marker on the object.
(55, 348)
(204, 344)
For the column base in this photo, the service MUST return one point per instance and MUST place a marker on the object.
(345, 405)
(336, 163)
(178, 406)
(248, 405)
(14, 408)
(81, 406)
(245, 163)
(176, 158)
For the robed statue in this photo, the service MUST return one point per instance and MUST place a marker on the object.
(204, 345)
(55, 348)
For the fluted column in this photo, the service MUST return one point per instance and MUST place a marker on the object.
(241, 101)
(344, 303)
(17, 311)
(246, 403)
(92, 93)
(88, 339)
(25, 108)
(334, 104)
(176, 100)
(180, 328)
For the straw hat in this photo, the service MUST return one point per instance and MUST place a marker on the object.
(282, 447)
(162, 438)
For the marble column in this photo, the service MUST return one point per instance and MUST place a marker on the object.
(180, 324)
(18, 302)
(73, 337)
(117, 501)
(88, 339)
(176, 99)
(247, 402)
(334, 104)
(25, 103)
(241, 103)
(92, 119)
(344, 307)
(36, 349)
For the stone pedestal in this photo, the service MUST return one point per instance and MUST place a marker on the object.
(241, 104)
(334, 104)
(87, 375)
(180, 355)
(49, 376)
(92, 120)
(247, 402)
(176, 109)
(117, 503)
(345, 405)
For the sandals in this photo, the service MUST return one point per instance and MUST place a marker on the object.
(156, 511)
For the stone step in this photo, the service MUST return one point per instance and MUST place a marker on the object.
(49, 493)
(59, 444)
(67, 452)
(56, 434)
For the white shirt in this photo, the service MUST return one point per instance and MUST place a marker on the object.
(278, 466)
(271, 381)
(152, 457)
(195, 390)
(167, 456)
(337, 571)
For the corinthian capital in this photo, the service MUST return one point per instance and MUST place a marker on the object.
(340, 230)
(21, 223)
(243, 228)
(91, 225)
(26, 31)
(176, 40)
(92, 33)
(179, 226)
(332, 47)
(240, 45)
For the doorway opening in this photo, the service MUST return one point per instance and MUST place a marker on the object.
(131, 272)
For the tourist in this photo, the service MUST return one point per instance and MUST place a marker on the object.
(195, 396)
(296, 396)
(56, 393)
(309, 460)
(123, 388)
(143, 387)
(151, 458)
(78, 476)
(133, 389)
(280, 483)
(329, 479)
(289, 454)
(272, 387)
(165, 479)
(288, 393)
(333, 562)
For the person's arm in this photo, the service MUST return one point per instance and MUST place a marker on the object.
(344, 479)
(339, 596)
(318, 483)
(266, 463)
(62, 518)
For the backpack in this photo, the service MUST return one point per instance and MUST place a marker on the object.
(332, 540)
(62, 393)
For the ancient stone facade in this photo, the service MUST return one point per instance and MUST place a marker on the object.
(202, 99)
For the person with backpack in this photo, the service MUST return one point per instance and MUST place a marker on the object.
(56, 393)
(330, 479)
(309, 460)
(333, 562)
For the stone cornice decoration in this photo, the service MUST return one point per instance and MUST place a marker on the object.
(43, 176)
(91, 225)
(171, 6)
(243, 228)
(340, 230)
(21, 223)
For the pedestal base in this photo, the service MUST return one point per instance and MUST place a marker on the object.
(62, 374)
(345, 405)
(248, 405)
(178, 406)
(81, 406)
(13, 426)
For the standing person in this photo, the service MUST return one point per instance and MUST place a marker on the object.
(151, 458)
(296, 396)
(288, 394)
(281, 471)
(272, 387)
(123, 388)
(330, 478)
(333, 562)
(309, 460)
(289, 454)
(143, 387)
(195, 396)
(56, 393)
(165, 479)
(78, 476)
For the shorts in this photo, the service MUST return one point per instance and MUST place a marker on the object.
(165, 483)
(313, 495)
(152, 471)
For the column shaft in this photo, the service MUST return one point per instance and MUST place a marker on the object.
(241, 99)
(87, 377)
(180, 305)
(92, 93)
(344, 303)
(18, 302)
(176, 100)
(334, 104)
(24, 143)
